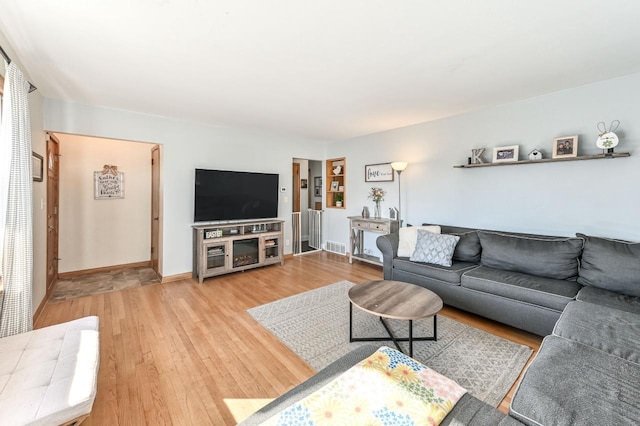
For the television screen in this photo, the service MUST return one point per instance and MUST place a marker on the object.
(229, 195)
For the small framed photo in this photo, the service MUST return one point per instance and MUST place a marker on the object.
(506, 153)
(565, 146)
(317, 191)
(37, 167)
(334, 185)
(303, 183)
(317, 181)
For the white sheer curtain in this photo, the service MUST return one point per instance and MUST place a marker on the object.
(16, 210)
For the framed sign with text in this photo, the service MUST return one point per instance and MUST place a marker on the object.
(378, 172)
(109, 183)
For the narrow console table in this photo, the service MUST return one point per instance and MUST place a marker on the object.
(358, 226)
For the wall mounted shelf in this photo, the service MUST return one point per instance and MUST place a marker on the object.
(546, 160)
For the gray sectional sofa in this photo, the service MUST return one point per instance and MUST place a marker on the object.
(582, 293)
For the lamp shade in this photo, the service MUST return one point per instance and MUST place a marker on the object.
(399, 166)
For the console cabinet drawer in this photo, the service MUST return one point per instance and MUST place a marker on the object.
(379, 227)
(360, 224)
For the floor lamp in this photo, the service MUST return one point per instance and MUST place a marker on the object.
(399, 166)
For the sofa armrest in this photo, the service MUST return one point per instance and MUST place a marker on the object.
(388, 246)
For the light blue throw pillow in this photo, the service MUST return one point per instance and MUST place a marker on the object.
(434, 248)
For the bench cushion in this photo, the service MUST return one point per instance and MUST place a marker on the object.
(547, 292)
(611, 299)
(569, 383)
(49, 376)
(555, 258)
(610, 265)
(449, 274)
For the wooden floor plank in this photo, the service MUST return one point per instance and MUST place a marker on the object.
(173, 353)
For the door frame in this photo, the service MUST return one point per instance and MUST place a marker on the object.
(53, 211)
(156, 211)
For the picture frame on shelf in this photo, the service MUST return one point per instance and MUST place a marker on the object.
(334, 185)
(382, 172)
(37, 167)
(565, 146)
(506, 154)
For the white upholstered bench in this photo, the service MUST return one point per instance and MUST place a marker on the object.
(49, 376)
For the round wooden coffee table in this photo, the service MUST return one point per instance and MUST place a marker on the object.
(395, 300)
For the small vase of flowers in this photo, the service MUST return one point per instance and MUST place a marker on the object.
(377, 195)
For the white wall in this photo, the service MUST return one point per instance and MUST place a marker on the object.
(39, 145)
(187, 146)
(98, 233)
(599, 197)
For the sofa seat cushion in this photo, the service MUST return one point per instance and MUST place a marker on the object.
(569, 383)
(49, 375)
(555, 258)
(547, 292)
(607, 329)
(449, 274)
(611, 299)
(610, 265)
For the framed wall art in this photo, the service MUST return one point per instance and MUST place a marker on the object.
(506, 153)
(565, 146)
(378, 172)
(37, 169)
(108, 183)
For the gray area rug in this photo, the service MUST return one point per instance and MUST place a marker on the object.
(315, 325)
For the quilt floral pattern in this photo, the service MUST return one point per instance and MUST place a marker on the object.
(387, 388)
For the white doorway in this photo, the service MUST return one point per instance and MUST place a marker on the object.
(307, 205)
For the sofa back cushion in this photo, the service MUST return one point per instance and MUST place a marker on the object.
(612, 265)
(468, 248)
(543, 257)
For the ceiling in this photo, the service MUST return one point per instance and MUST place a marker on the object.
(328, 70)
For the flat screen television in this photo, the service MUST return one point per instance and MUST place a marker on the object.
(229, 195)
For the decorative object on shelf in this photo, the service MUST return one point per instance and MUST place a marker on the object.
(341, 188)
(394, 213)
(338, 199)
(607, 139)
(303, 183)
(337, 170)
(565, 146)
(506, 153)
(37, 167)
(109, 183)
(476, 156)
(399, 167)
(536, 154)
(365, 212)
(378, 172)
(377, 195)
(334, 185)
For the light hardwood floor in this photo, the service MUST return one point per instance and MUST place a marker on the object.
(185, 353)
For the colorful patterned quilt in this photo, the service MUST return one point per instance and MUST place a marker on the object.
(387, 388)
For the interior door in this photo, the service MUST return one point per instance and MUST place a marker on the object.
(296, 187)
(155, 207)
(53, 200)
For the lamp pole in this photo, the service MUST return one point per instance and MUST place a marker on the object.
(399, 166)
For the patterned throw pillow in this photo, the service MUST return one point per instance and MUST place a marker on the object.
(434, 248)
(408, 237)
